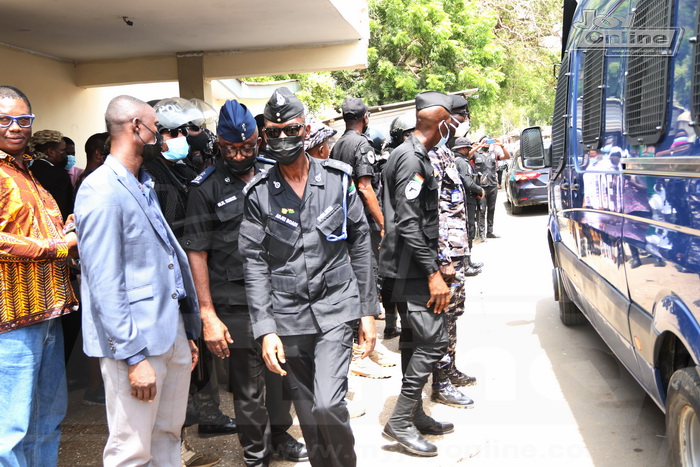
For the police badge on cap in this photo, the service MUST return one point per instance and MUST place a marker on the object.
(283, 106)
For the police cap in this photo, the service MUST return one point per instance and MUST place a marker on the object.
(354, 107)
(433, 98)
(458, 103)
(236, 123)
(283, 106)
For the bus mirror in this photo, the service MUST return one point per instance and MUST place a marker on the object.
(532, 148)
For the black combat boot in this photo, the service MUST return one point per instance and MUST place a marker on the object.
(428, 425)
(400, 428)
(474, 265)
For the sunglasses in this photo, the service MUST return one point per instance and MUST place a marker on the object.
(24, 121)
(184, 129)
(289, 130)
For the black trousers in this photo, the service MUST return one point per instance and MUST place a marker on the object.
(471, 220)
(262, 409)
(423, 342)
(317, 368)
(488, 209)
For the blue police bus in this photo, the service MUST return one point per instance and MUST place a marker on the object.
(624, 194)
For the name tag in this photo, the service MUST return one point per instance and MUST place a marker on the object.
(457, 196)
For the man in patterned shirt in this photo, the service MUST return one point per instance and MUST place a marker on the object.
(453, 254)
(34, 289)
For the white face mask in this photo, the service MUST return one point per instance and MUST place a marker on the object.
(463, 129)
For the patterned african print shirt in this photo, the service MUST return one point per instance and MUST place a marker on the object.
(34, 274)
(453, 241)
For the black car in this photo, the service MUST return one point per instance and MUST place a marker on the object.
(526, 182)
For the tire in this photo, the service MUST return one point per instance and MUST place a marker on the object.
(569, 314)
(683, 417)
(515, 210)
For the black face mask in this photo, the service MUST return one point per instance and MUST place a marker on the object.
(200, 142)
(152, 149)
(240, 167)
(285, 151)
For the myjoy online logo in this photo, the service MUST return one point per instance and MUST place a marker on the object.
(616, 35)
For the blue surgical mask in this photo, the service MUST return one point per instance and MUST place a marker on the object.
(70, 162)
(177, 149)
(443, 138)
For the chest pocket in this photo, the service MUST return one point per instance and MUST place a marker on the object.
(333, 223)
(281, 237)
(230, 210)
(430, 200)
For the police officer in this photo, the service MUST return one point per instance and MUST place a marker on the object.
(214, 215)
(486, 156)
(409, 260)
(308, 272)
(467, 172)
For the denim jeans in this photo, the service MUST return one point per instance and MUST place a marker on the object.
(34, 395)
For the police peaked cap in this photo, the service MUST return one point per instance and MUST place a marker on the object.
(236, 123)
(458, 103)
(432, 99)
(283, 106)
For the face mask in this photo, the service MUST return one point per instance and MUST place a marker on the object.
(177, 149)
(70, 162)
(285, 150)
(443, 138)
(154, 148)
(240, 167)
(62, 161)
(463, 129)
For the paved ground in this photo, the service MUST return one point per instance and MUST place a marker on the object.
(547, 395)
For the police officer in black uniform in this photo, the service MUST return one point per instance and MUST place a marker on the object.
(467, 172)
(214, 215)
(308, 272)
(408, 260)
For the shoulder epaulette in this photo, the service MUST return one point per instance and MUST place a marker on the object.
(266, 160)
(203, 176)
(254, 181)
(338, 165)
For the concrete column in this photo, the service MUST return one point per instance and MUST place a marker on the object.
(190, 74)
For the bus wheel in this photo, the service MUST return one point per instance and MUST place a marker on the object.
(682, 417)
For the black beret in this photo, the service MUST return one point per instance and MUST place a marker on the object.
(283, 106)
(433, 98)
(458, 103)
(355, 107)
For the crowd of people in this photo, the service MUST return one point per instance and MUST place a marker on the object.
(259, 242)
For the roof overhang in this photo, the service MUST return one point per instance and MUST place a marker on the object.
(234, 38)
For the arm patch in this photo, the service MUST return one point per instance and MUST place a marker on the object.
(338, 165)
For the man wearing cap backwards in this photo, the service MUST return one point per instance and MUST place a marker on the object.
(139, 301)
(308, 276)
(214, 215)
(409, 263)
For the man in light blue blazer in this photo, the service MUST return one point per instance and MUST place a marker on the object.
(139, 301)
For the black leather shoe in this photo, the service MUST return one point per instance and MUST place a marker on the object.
(459, 379)
(225, 428)
(410, 440)
(452, 397)
(492, 235)
(290, 449)
(429, 426)
(391, 333)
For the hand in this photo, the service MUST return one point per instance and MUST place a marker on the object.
(195, 353)
(273, 353)
(142, 379)
(448, 272)
(216, 336)
(367, 335)
(439, 293)
(72, 240)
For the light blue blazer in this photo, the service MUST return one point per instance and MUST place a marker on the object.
(128, 279)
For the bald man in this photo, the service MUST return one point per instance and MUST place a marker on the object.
(408, 262)
(139, 301)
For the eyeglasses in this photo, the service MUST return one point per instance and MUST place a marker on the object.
(184, 129)
(289, 130)
(245, 151)
(24, 121)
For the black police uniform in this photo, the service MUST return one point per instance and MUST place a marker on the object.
(467, 174)
(308, 290)
(409, 254)
(486, 163)
(214, 215)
